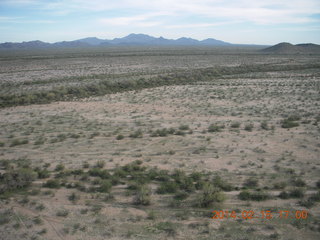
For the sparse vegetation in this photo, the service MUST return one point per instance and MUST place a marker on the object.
(188, 131)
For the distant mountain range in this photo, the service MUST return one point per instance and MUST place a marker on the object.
(288, 48)
(130, 40)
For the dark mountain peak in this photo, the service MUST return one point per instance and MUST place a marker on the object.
(288, 48)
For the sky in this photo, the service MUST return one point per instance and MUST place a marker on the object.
(236, 21)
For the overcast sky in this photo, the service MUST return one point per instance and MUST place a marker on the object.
(235, 21)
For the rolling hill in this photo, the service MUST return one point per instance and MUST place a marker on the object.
(288, 48)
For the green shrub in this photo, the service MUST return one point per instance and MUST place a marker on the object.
(17, 179)
(73, 197)
(289, 123)
(246, 195)
(16, 142)
(143, 196)
(181, 195)
(105, 186)
(62, 213)
(299, 182)
(85, 165)
(222, 184)
(248, 127)
(168, 227)
(167, 187)
(52, 183)
(42, 173)
(296, 193)
(162, 132)
(235, 124)
(98, 172)
(120, 137)
(137, 134)
(251, 182)
(264, 125)
(59, 167)
(214, 128)
(284, 195)
(184, 127)
(100, 164)
(279, 185)
(210, 195)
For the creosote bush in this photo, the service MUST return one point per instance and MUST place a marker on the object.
(210, 195)
(143, 196)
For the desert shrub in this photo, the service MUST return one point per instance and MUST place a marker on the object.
(299, 182)
(264, 125)
(37, 220)
(77, 172)
(235, 124)
(223, 185)
(94, 134)
(181, 195)
(259, 196)
(100, 164)
(42, 173)
(73, 197)
(16, 142)
(52, 183)
(4, 163)
(2, 144)
(180, 133)
(62, 213)
(168, 227)
(210, 195)
(5, 217)
(187, 184)
(98, 172)
(136, 134)
(294, 118)
(59, 167)
(308, 203)
(105, 186)
(184, 127)
(251, 182)
(151, 215)
(167, 187)
(248, 127)
(315, 197)
(39, 141)
(196, 176)
(85, 165)
(246, 195)
(279, 185)
(163, 175)
(296, 193)
(284, 195)
(120, 137)
(133, 185)
(143, 196)
(289, 123)
(160, 133)
(214, 128)
(16, 179)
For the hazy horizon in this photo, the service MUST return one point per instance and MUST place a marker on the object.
(239, 22)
